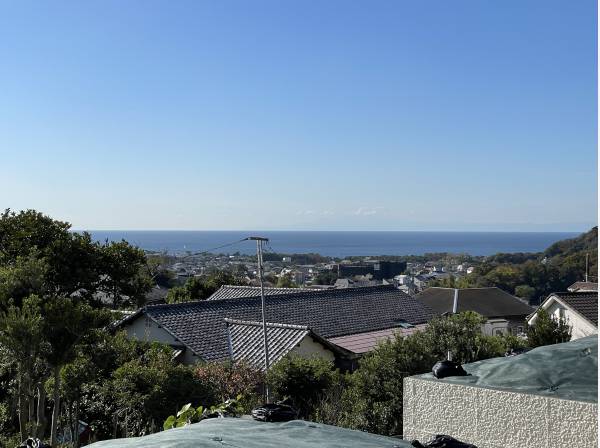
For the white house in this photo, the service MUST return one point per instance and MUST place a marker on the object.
(579, 309)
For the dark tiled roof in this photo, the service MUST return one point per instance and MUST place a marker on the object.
(489, 302)
(329, 313)
(585, 303)
(247, 341)
(235, 292)
(583, 286)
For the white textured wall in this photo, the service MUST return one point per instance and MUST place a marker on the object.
(145, 329)
(308, 347)
(491, 418)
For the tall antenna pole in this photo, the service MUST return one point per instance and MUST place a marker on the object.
(587, 256)
(259, 242)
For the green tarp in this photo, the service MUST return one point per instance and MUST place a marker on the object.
(568, 371)
(238, 433)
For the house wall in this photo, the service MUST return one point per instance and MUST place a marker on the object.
(490, 418)
(580, 327)
(308, 347)
(145, 329)
(511, 324)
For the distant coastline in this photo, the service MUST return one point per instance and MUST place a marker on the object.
(340, 243)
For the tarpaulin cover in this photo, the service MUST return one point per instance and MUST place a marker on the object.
(238, 433)
(568, 371)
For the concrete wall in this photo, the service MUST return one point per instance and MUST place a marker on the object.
(145, 329)
(491, 418)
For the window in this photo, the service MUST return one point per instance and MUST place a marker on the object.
(519, 330)
(499, 332)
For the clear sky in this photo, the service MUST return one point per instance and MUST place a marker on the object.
(324, 115)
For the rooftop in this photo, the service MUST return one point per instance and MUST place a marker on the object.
(365, 342)
(247, 343)
(235, 292)
(585, 303)
(583, 287)
(489, 302)
(333, 312)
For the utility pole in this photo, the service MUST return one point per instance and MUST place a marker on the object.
(587, 256)
(259, 244)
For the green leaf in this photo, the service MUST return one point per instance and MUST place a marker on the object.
(184, 409)
(169, 422)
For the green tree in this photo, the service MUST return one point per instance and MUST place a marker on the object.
(546, 330)
(126, 278)
(65, 323)
(525, 291)
(21, 335)
(302, 380)
(144, 392)
(201, 288)
(325, 278)
(285, 281)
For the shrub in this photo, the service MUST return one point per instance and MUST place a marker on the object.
(374, 397)
(302, 380)
(228, 380)
(546, 330)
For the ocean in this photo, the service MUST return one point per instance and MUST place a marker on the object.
(338, 243)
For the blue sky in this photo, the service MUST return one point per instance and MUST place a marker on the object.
(382, 115)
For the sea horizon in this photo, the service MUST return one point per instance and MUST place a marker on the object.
(338, 243)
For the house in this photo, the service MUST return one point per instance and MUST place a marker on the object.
(583, 287)
(354, 283)
(504, 312)
(579, 309)
(377, 269)
(200, 331)
(246, 343)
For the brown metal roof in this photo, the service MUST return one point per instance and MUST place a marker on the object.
(365, 342)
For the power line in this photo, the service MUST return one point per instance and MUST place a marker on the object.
(222, 246)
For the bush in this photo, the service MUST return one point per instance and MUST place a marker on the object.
(229, 380)
(546, 330)
(302, 380)
(373, 400)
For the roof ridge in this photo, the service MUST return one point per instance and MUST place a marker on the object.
(254, 323)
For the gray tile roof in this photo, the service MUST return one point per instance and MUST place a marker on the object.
(329, 313)
(583, 286)
(489, 302)
(585, 303)
(246, 339)
(235, 292)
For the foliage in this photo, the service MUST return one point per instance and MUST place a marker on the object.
(546, 330)
(126, 278)
(373, 399)
(286, 281)
(228, 380)
(145, 391)
(200, 288)
(525, 291)
(302, 380)
(326, 278)
(534, 276)
(461, 335)
(188, 415)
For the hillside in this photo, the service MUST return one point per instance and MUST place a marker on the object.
(534, 276)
